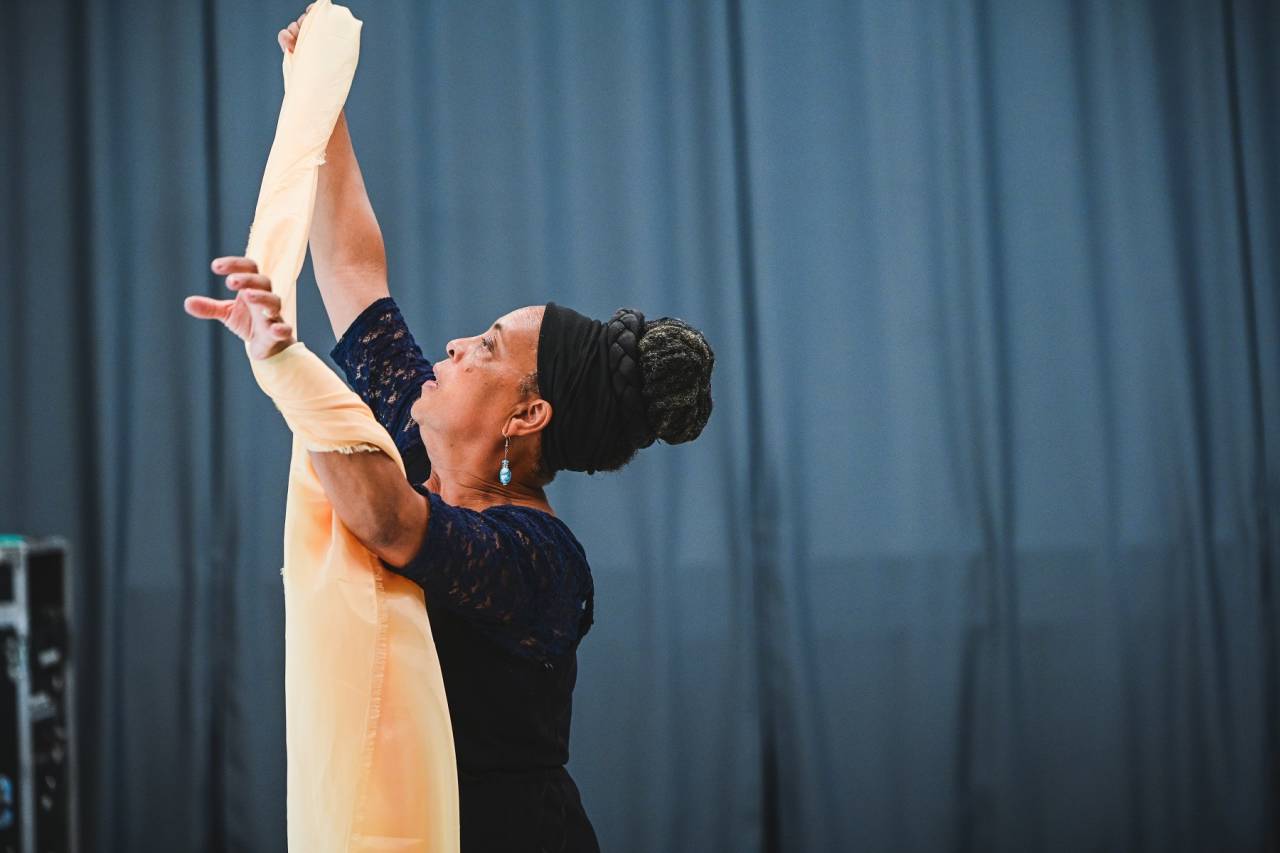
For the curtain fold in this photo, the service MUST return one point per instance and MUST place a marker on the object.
(979, 549)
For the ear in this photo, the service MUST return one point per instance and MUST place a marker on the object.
(532, 417)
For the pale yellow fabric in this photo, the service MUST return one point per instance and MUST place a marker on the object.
(370, 749)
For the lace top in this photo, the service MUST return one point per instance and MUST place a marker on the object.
(515, 572)
(385, 366)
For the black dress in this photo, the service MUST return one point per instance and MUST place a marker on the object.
(509, 596)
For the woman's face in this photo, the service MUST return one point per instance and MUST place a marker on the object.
(477, 386)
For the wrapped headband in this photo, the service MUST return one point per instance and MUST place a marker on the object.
(590, 373)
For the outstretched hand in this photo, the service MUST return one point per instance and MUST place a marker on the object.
(253, 315)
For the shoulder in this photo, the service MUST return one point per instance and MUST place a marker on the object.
(531, 532)
(542, 528)
(526, 557)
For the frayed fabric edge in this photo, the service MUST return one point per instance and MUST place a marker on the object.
(345, 449)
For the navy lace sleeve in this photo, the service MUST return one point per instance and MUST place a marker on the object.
(385, 366)
(517, 572)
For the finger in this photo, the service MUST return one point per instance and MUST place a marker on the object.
(264, 298)
(294, 28)
(248, 281)
(233, 263)
(207, 309)
(281, 331)
(285, 40)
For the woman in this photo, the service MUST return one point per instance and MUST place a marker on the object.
(507, 585)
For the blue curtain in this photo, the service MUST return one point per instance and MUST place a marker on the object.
(978, 550)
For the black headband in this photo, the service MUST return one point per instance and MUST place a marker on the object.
(589, 372)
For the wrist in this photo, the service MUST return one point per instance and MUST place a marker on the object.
(277, 348)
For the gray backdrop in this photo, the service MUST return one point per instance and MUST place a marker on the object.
(977, 551)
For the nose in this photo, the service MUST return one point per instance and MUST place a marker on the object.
(459, 347)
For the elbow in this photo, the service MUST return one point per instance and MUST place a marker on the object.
(396, 539)
(390, 548)
(374, 502)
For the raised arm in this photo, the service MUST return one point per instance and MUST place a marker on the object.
(347, 252)
(364, 485)
(375, 502)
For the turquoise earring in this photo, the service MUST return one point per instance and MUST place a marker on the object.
(504, 474)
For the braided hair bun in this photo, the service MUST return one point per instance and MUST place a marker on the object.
(619, 385)
(676, 362)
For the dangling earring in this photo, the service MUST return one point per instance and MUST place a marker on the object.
(504, 474)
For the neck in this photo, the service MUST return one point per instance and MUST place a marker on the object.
(465, 474)
(462, 486)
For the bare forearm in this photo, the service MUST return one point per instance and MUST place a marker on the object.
(374, 502)
(347, 252)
